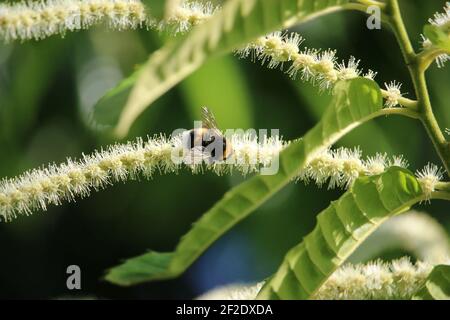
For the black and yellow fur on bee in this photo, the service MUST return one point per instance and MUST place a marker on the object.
(208, 138)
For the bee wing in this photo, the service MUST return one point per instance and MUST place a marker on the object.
(209, 121)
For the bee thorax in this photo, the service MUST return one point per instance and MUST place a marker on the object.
(211, 144)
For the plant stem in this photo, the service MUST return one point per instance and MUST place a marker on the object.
(443, 186)
(428, 56)
(401, 111)
(382, 5)
(417, 71)
(429, 120)
(398, 26)
(439, 195)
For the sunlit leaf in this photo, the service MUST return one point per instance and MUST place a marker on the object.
(340, 229)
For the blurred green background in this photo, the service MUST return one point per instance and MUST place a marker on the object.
(47, 90)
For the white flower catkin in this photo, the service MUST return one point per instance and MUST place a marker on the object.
(36, 189)
(41, 19)
(398, 279)
(37, 20)
(341, 167)
(319, 67)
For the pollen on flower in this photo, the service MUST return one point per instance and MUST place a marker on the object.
(77, 179)
(96, 175)
(275, 48)
(303, 63)
(370, 74)
(349, 70)
(429, 177)
(394, 94)
(352, 164)
(324, 69)
(376, 164)
(398, 161)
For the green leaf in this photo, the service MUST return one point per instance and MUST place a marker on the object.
(437, 286)
(237, 23)
(140, 269)
(354, 102)
(340, 229)
(311, 102)
(437, 36)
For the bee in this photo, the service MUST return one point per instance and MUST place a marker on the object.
(208, 139)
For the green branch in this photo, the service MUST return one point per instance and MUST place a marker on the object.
(402, 112)
(382, 5)
(443, 186)
(417, 65)
(429, 55)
